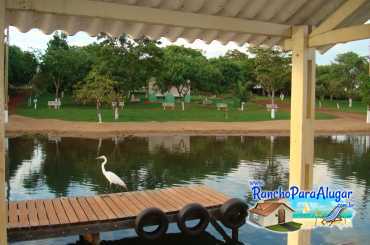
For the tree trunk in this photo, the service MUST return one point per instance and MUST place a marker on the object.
(331, 97)
(368, 114)
(350, 102)
(273, 104)
(116, 113)
(57, 87)
(98, 111)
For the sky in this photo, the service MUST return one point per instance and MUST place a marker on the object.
(37, 40)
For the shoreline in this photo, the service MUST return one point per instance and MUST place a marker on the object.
(19, 125)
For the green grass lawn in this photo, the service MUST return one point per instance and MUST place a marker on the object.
(287, 227)
(357, 106)
(194, 111)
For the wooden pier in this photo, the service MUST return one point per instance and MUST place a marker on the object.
(41, 219)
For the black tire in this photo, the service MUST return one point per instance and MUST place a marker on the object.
(234, 213)
(151, 216)
(193, 211)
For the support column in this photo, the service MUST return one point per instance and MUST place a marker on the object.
(6, 76)
(302, 110)
(3, 212)
(302, 120)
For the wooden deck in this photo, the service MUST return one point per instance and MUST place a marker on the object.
(38, 219)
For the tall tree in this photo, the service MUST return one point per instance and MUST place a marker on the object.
(55, 63)
(349, 68)
(130, 62)
(182, 68)
(98, 89)
(22, 66)
(247, 64)
(231, 71)
(243, 92)
(328, 83)
(62, 65)
(272, 69)
(365, 94)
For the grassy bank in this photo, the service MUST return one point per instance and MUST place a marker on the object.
(357, 106)
(194, 111)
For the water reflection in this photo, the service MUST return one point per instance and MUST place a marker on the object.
(46, 167)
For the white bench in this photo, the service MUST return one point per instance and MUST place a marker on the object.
(54, 103)
(120, 104)
(271, 106)
(206, 101)
(168, 105)
(221, 106)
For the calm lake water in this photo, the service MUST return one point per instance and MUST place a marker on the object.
(42, 167)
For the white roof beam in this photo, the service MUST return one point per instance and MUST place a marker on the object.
(341, 35)
(339, 16)
(108, 10)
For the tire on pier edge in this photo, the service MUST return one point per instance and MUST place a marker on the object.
(151, 216)
(233, 213)
(193, 211)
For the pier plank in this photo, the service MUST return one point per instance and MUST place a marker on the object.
(174, 201)
(78, 210)
(13, 217)
(39, 219)
(87, 209)
(218, 195)
(50, 212)
(205, 197)
(194, 197)
(134, 202)
(31, 205)
(96, 208)
(23, 214)
(114, 207)
(126, 210)
(59, 210)
(72, 217)
(104, 207)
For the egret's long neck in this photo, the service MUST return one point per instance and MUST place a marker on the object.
(103, 165)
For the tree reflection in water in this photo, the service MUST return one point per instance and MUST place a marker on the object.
(160, 161)
(42, 167)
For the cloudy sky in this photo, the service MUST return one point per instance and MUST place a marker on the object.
(36, 40)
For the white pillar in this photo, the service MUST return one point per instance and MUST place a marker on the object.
(3, 210)
(368, 114)
(6, 72)
(99, 118)
(302, 110)
(116, 113)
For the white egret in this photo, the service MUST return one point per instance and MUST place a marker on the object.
(110, 176)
